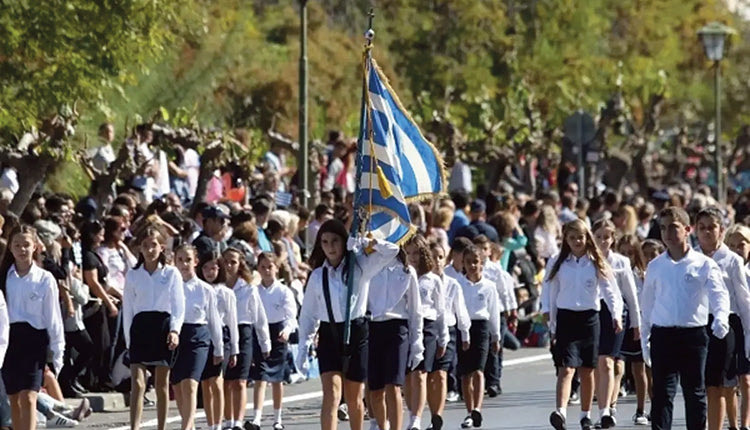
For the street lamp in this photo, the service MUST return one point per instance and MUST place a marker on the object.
(713, 37)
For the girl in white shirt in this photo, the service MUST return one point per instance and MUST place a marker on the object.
(611, 365)
(212, 381)
(395, 339)
(737, 239)
(457, 319)
(340, 370)
(251, 317)
(201, 328)
(576, 280)
(153, 308)
(281, 311)
(435, 331)
(630, 246)
(482, 304)
(30, 324)
(721, 361)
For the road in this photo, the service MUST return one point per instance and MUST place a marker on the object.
(527, 400)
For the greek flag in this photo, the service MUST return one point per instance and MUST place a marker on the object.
(397, 164)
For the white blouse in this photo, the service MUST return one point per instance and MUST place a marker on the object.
(482, 303)
(226, 304)
(250, 311)
(200, 308)
(161, 291)
(279, 305)
(34, 299)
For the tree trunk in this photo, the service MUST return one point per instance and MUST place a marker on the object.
(32, 171)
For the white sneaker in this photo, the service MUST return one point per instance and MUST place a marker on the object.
(41, 420)
(452, 397)
(60, 421)
(640, 419)
(343, 412)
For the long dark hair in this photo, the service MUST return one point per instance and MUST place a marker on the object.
(151, 232)
(243, 272)
(8, 260)
(89, 231)
(207, 258)
(318, 257)
(578, 226)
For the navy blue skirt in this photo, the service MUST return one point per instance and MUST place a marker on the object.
(743, 364)
(577, 339)
(721, 360)
(388, 353)
(214, 370)
(245, 358)
(610, 343)
(331, 354)
(192, 353)
(273, 367)
(475, 358)
(148, 340)
(444, 363)
(25, 359)
(430, 336)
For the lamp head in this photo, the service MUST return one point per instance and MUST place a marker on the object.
(713, 36)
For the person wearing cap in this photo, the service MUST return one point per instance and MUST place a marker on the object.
(215, 221)
(478, 224)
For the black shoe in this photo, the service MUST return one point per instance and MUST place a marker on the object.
(148, 402)
(437, 422)
(586, 424)
(476, 417)
(492, 391)
(250, 426)
(608, 422)
(557, 420)
(70, 393)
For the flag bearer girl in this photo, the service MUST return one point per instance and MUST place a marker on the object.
(325, 305)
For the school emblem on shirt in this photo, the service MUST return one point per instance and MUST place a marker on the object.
(590, 283)
(480, 296)
(689, 277)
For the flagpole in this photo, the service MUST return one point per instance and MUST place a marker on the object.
(369, 35)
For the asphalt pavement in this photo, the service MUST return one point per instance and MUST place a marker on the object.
(528, 398)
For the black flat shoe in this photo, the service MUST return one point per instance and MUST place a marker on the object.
(437, 422)
(476, 417)
(557, 420)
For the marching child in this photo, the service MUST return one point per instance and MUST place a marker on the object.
(212, 381)
(153, 307)
(483, 308)
(324, 306)
(721, 361)
(250, 317)
(281, 312)
(576, 280)
(201, 328)
(737, 239)
(30, 324)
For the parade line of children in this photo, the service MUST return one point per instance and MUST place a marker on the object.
(416, 311)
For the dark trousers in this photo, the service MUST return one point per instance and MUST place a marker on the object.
(80, 341)
(97, 326)
(453, 382)
(678, 353)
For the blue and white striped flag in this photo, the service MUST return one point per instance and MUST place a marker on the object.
(408, 167)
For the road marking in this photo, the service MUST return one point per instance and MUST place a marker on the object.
(317, 394)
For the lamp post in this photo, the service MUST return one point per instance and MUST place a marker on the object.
(303, 155)
(714, 36)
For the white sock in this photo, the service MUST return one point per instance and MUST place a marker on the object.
(236, 423)
(277, 415)
(258, 415)
(216, 427)
(585, 414)
(228, 423)
(416, 422)
(603, 412)
(563, 412)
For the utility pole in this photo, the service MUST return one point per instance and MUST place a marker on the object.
(303, 164)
